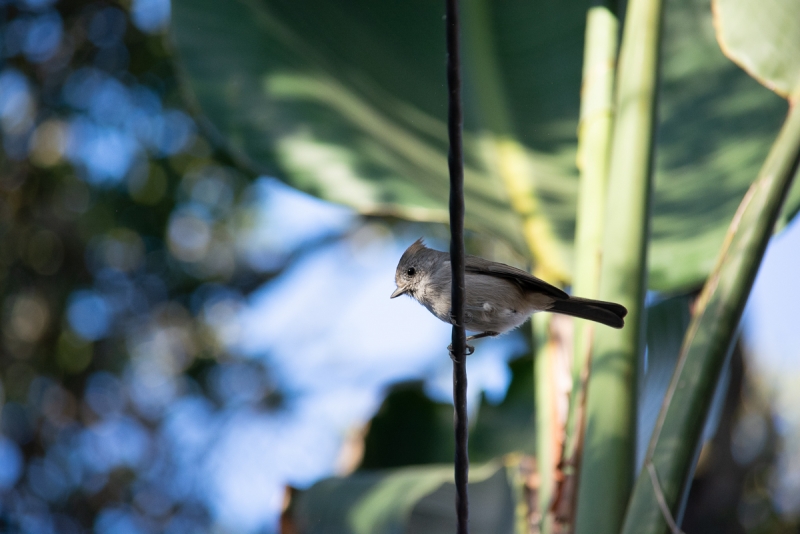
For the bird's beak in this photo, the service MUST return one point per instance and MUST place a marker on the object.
(399, 291)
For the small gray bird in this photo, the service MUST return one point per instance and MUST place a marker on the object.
(499, 297)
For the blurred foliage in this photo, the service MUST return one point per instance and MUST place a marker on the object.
(742, 29)
(411, 429)
(347, 103)
(120, 234)
(412, 499)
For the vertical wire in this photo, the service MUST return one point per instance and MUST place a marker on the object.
(456, 166)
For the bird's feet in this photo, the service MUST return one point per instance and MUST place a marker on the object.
(483, 334)
(470, 350)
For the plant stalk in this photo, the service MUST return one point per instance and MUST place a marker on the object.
(607, 465)
(594, 142)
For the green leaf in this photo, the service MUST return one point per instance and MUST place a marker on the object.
(412, 499)
(716, 125)
(762, 37)
(347, 101)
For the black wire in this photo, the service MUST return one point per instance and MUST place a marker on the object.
(456, 164)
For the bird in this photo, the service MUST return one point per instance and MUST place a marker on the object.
(499, 298)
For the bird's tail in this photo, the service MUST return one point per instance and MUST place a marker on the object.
(607, 313)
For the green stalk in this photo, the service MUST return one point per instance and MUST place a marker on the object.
(594, 141)
(607, 466)
(661, 489)
(546, 421)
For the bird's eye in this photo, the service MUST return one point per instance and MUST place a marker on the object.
(411, 271)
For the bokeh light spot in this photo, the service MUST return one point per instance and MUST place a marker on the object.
(89, 315)
(48, 143)
(10, 463)
(80, 87)
(16, 103)
(118, 521)
(47, 479)
(39, 4)
(43, 37)
(29, 317)
(104, 394)
(115, 442)
(110, 104)
(189, 236)
(238, 383)
(121, 249)
(173, 132)
(106, 153)
(150, 15)
(74, 353)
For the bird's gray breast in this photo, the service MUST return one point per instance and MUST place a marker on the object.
(434, 293)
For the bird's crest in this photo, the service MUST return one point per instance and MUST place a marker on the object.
(416, 246)
(411, 252)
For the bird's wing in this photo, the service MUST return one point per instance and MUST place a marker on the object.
(474, 264)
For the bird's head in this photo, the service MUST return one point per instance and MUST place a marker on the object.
(417, 262)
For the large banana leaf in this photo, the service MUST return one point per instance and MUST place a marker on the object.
(412, 499)
(347, 101)
(743, 29)
(762, 37)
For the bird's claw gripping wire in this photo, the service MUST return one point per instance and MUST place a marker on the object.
(470, 350)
